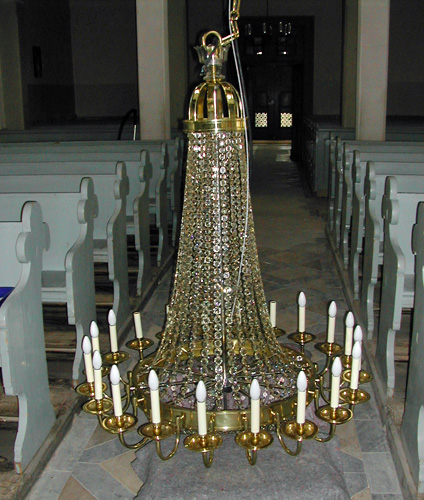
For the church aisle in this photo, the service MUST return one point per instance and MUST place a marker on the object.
(294, 256)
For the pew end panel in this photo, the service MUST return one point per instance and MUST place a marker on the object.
(68, 269)
(399, 213)
(412, 427)
(141, 223)
(23, 357)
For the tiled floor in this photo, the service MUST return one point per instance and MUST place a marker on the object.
(294, 256)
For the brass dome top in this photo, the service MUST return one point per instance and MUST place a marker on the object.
(215, 104)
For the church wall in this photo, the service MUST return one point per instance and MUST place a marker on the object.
(104, 57)
(46, 60)
(406, 54)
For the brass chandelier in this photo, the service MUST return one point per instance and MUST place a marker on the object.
(219, 366)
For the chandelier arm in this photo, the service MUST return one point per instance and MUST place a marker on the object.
(329, 437)
(252, 456)
(281, 440)
(207, 458)
(286, 448)
(177, 442)
(135, 446)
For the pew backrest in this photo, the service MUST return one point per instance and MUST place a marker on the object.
(110, 183)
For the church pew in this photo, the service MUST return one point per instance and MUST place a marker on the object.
(408, 181)
(344, 156)
(352, 228)
(22, 352)
(139, 171)
(397, 292)
(412, 426)
(335, 149)
(110, 239)
(353, 178)
(69, 209)
(174, 171)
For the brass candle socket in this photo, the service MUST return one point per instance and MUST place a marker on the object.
(205, 444)
(298, 432)
(301, 338)
(117, 425)
(159, 432)
(139, 344)
(114, 358)
(364, 376)
(252, 442)
(98, 406)
(329, 348)
(336, 416)
(354, 396)
(87, 389)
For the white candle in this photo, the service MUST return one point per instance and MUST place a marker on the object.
(111, 319)
(98, 383)
(357, 337)
(349, 323)
(88, 361)
(201, 409)
(302, 385)
(332, 311)
(94, 333)
(273, 313)
(301, 301)
(115, 378)
(255, 407)
(356, 360)
(138, 327)
(154, 396)
(335, 382)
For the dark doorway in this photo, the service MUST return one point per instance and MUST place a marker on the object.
(277, 59)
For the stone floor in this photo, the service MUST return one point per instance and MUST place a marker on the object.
(294, 256)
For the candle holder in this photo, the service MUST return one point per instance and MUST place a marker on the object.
(159, 432)
(252, 442)
(117, 425)
(335, 416)
(293, 430)
(206, 445)
(354, 396)
(114, 358)
(329, 348)
(98, 406)
(301, 338)
(139, 345)
(364, 376)
(87, 389)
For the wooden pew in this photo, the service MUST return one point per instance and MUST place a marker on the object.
(397, 292)
(353, 181)
(22, 351)
(344, 161)
(412, 427)
(110, 239)
(139, 171)
(353, 233)
(69, 208)
(174, 170)
(409, 180)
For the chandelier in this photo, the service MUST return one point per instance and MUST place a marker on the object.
(219, 367)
